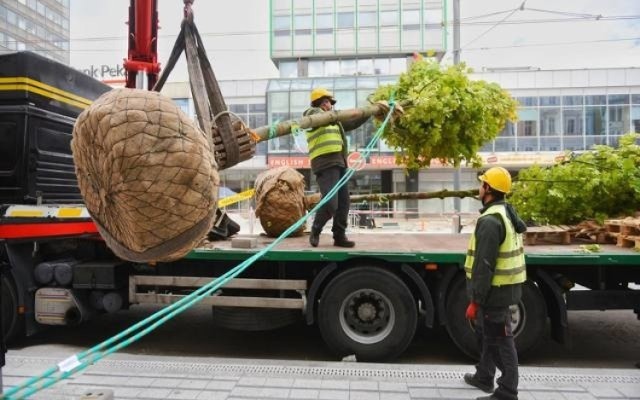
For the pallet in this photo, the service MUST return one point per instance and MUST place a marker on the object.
(627, 226)
(629, 241)
(559, 234)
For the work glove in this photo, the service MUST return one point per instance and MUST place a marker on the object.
(472, 311)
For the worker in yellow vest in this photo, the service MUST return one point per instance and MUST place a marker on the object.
(328, 150)
(495, 271)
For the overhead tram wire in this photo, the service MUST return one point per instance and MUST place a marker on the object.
(494, 26)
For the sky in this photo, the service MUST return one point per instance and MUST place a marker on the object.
(545, 34)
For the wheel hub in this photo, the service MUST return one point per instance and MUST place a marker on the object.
(367, 316)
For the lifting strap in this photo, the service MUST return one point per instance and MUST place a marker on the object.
(205, 90)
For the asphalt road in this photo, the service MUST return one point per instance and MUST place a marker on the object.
(599, 340)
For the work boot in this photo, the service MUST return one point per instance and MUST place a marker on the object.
(470, 379)
(342, 241)
(314, 238)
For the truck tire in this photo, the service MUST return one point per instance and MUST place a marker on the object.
(12, 324)
(529, 319)
(367, 312)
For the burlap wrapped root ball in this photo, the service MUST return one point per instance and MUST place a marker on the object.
(280, 200)
(146, 173)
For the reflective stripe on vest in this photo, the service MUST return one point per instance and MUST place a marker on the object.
(510, 266)
(324, 140)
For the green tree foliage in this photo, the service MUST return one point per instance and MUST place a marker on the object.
(601, 183)
(448, 116)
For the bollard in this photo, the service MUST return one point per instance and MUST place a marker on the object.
(455, 224)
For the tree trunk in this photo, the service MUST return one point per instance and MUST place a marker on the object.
(313, 121)
(414, 195)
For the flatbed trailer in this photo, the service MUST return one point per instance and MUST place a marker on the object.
(367, 301)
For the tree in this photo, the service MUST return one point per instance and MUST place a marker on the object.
(448, 116)
(601, 183)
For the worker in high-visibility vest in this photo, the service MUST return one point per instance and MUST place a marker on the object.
(328, 150)
(495, 270)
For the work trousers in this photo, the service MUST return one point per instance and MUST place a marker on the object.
(493, 330)
(337, 207)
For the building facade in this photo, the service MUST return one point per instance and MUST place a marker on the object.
(41, 26)
(351, 47)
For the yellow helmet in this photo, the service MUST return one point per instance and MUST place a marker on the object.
(498, 178)
(321, 92)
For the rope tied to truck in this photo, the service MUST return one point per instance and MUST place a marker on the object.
(82, 360)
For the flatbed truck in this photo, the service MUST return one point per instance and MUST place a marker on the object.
(367, 301)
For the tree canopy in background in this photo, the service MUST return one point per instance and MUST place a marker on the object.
(598, 184)
(448, 116)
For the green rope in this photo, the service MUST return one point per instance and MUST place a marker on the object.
(82, 360)
(273, 130)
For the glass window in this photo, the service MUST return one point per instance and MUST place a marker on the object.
(367, 83)
(389, 18)
(258, 108)
(345, 83)
(397, 66)
(527, 122)
(411, 19)
(550, 100)
(288, 69)
(595, 120)
(381, 66)
(12, 18)
(595, 100)
(550, 121)
(635, 119)
(238, 108)
(324, 23)
(619, 120)
(365, 67)
(505, 144)
(635, 98)
(348, 67)
(572, 117)
(508, 130)
(326, 83)
(367, 19)
(618, 99)
(279, 102)
(345, 20)
(573, 143)
(550, 143)
(528, 143)
(527, 101)
(316, 68)
(572, 100)
(298, 84)
(281, 23)
(299, 102)
(302, 23)
(345, 99)
(332, 68)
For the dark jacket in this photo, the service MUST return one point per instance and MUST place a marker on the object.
(490, 233)
(339, 158)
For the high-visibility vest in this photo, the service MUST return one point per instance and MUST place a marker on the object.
(325, 140)
(510, 265)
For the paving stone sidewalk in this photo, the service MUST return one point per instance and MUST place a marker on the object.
(126, 377)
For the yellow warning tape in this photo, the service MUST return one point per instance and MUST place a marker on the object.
(247, 194)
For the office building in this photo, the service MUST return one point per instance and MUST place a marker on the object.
(41, 26)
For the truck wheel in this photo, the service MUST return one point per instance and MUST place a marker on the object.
(367, 312)
(528, 319)
(11, 321)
